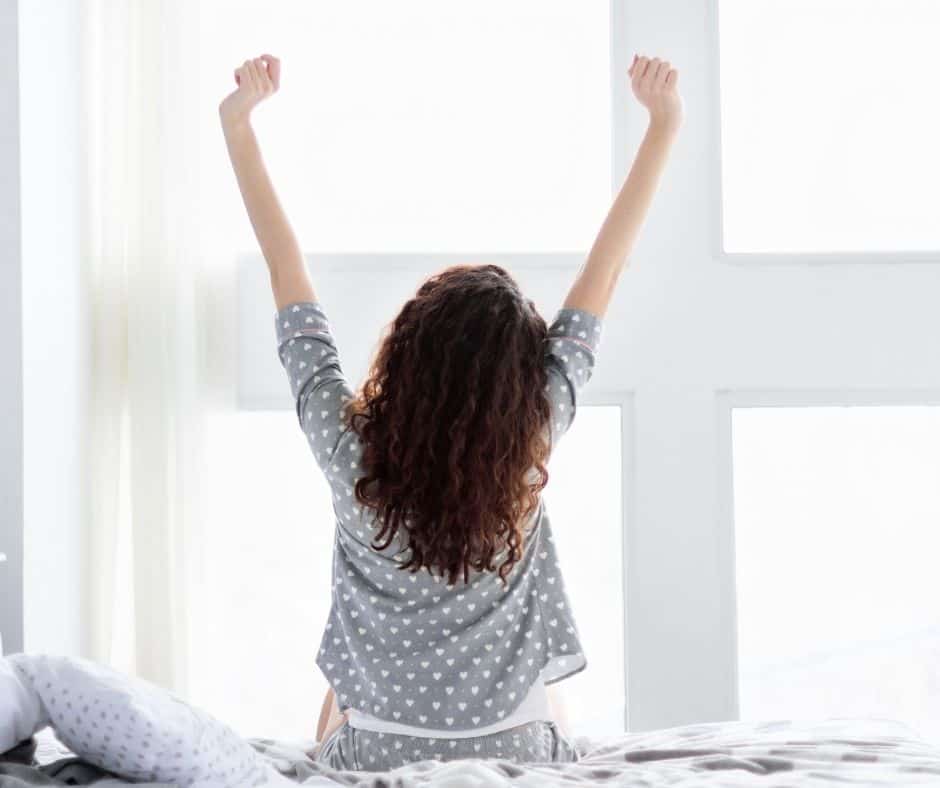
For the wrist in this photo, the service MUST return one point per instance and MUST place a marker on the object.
(664, 125)
(234, 124)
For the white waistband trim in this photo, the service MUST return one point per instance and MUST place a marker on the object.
(533, 707)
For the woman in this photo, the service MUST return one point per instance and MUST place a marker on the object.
(449, 614)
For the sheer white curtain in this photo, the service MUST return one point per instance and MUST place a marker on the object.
(149, 290)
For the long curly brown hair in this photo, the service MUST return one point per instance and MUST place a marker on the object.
(453, 419)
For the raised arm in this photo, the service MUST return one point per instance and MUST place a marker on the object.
(655, 86)
(257, 79)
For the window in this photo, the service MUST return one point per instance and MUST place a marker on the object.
(267, 563)
(828, 130)
(421, 126)
(269, 542)
(584, 503)
(836, 513)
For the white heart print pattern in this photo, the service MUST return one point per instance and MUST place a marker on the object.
(411, 648)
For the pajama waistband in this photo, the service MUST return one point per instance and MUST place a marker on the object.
(355, 749)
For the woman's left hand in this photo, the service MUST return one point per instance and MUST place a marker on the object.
(256, 80)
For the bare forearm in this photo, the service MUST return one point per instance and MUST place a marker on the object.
(275, 236)
(326, 714)
(609, 254)
(330, 717)
(617, 236)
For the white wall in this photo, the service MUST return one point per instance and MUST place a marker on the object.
(55, 335)
(11, 381)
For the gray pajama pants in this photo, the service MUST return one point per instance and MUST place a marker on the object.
(361, 750)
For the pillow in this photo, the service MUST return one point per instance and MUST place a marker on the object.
(126, 725)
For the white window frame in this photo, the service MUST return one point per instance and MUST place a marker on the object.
(774, 258)
(624, 400)
(726, 401)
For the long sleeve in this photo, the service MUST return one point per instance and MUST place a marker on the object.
(309, 355)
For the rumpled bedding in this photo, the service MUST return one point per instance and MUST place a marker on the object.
(120, 730)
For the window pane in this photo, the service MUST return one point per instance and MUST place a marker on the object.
(584, 503)
(836, 529)
(829, 131)
(267, 561)
(268, 554)
(422, 126)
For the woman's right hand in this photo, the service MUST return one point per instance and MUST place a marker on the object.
(655, 84)
(256, 80)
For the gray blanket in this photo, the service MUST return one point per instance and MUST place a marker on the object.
(779, 753)
(41, 760)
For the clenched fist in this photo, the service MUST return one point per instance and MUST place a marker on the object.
(256, 80)
(655, 84)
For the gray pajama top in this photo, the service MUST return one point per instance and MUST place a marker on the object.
(411, 648)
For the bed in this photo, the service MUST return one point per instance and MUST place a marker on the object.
(175, 739)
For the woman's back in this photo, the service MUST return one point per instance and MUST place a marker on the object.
(411, 647)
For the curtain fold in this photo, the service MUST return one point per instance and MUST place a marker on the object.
(145, 280)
